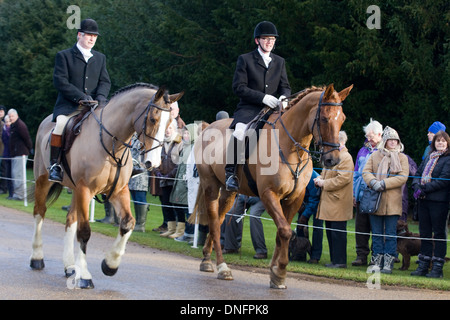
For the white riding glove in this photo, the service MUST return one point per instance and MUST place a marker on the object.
(270, 101)
(282, 102)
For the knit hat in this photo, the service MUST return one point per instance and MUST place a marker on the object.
(222, 115)
(390, 133)
(436, 127)
(193, 131)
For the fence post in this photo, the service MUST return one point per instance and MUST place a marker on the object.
(24, 168)
(92, 210)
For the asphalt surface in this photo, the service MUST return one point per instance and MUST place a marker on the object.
(151, 274)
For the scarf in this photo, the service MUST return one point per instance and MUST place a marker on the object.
(87, 54)
(389, 163)
(266, 57)
(429, 167)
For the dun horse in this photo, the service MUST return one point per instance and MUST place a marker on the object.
(280, 181)
(99, 162)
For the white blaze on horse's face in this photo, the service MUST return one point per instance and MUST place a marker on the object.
(153, 158)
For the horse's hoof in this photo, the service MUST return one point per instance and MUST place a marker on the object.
(85, 284)
(277, 286)
(206, 266)
(37, 264)
(225, 275)
(277, 278)
(107, 271)
(224, 272)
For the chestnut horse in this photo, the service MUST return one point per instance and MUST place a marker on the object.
(99, 162)
(280, 179)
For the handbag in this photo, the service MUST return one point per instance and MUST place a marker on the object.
(370, 201)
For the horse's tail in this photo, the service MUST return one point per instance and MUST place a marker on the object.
(52, 196)
(199, 215)
(54, 193)
(30, 192)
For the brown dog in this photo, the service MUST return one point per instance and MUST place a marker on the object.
(407, 247)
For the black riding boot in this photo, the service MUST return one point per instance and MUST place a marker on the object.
(424, 265)
(55, 172)
(231, 179)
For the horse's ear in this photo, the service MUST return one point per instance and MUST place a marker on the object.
(328, 92)
(344, 93)
(175, 97)
(160, 93)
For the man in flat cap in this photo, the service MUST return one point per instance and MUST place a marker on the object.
(79, 74)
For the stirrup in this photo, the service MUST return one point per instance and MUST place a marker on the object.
(55, 173)
(232, 183)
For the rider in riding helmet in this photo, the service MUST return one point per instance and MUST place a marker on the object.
(260, 80)
(79, 74)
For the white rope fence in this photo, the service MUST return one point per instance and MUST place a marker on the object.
(241, 216)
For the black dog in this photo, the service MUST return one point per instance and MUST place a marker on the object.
(299, 246)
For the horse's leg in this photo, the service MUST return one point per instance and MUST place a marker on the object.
(216, 209)
(280, 258)
(82, 200)
(42, 188)
(226, 201)
(211, 205)
(69, 237)
(113, 257)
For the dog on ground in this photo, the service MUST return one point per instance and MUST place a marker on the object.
(407, 247)
(299, 246)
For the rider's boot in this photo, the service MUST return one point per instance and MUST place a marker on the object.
(55, 172)
(231, 179)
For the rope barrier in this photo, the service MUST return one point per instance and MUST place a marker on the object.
(249, 215)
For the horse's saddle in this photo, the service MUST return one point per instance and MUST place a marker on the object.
(73, 126)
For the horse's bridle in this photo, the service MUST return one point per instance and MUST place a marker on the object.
(146, 111)
(321, 143)
(316, 123)
(112, 154)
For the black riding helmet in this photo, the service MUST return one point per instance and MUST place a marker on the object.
(265, 29)
(89, 26)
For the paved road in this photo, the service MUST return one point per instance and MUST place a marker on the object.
(147, 273)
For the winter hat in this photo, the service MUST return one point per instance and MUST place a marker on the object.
(436, 127)
(222, 115)
(193, 131)
(390, 133)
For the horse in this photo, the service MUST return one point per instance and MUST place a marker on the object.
(99, 162)
(280, 181)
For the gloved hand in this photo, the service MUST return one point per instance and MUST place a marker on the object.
(372, 182)
(379, 186)
(157, 173)
(419, 193)
(283, 102)
(270, 101)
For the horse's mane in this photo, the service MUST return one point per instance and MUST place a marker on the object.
(134, 86)
(303, 93)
